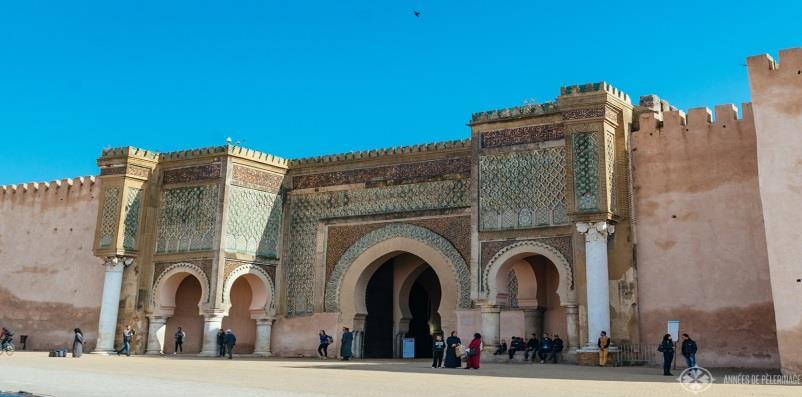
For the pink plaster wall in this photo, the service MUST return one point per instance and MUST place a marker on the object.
(701, 250)
(777, 95)
(298, 336)
(239, 317)
(51, 281)
(187, 317)
(512, 324)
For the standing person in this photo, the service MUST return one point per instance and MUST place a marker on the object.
(346, 344)
(667, 348)
(558, 348)
(323, 347)
(546, 348)
(179, 340)
(230, 340)
(689, 350)
(221, 343)
(452, 360)
(531, 347)
(604, 344)
(438, 347)
(78, 343)
(474, 352)
(6, 336)
(128, 336)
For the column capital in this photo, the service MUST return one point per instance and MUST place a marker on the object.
(595, 231)
(265, 321)
(213, 314)
(117, 262)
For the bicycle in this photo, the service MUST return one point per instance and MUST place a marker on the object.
(7, 348)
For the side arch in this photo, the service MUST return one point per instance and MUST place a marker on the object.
(428, 240)
(262, 288)
(519, 250)
(166, 285)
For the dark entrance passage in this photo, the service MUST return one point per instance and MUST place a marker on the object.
(424, 298)
(382, 336)
(379, 322)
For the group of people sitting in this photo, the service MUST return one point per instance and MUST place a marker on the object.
(547, 349)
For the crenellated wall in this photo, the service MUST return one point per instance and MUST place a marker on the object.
(701, 250)
(776, 93)
(51, 281)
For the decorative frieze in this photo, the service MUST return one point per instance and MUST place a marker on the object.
(131, 216)
(130, 170)
(191, 174)
(307, 210)
(187, 219)
(256, 179)
(589, 113)
(108, 219)
(254, 222)
(586, 171)
(557, 247)
(390, 175)
(455, 229)
(562, 244)
(522, 189)
(426, 236)
(612, 194)
(522, 135)
(198, 268)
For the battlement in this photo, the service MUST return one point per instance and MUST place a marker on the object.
(129, 151)
(655, 103)
(375, 153)
(535, 109)
(256, 155)
(588, 88)
(790, 62)
(695, 118)
(34, 187)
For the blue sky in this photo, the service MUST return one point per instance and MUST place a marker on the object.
(307, 78)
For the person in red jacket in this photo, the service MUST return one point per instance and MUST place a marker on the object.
(475, 351)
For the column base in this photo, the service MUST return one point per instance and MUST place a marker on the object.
(154, 353)
(262, 354)
(103, 352)
(209, 354)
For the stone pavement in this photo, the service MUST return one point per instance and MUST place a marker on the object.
(192, 376)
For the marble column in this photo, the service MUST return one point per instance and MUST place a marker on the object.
(572, 323)
(597, 275)
(264, 329)
(212, 322)
(110, 304)
(156, 330)
(533, 321)
(491, 327)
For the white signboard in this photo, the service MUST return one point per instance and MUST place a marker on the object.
(673, 329)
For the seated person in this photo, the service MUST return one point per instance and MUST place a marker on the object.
(516, 344)
(546, 348)
(531, 347)
(557, 348)
(501, 349)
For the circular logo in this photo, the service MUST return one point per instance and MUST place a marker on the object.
(696, 379)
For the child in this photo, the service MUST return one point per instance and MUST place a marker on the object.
(438, 347)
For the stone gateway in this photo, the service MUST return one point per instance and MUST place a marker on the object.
(586, 214)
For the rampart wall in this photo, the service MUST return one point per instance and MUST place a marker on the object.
(701, 249)
(51, 281)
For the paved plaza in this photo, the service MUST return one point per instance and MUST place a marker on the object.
(94, 375)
